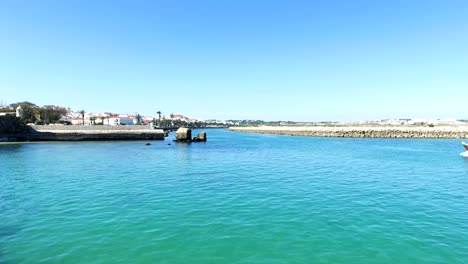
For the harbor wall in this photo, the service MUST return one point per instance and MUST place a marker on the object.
(12, 130)
(89, 127)
(96, 135)
(9, 124)
(460, 132)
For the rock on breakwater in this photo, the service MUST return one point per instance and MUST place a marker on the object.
(361, 132)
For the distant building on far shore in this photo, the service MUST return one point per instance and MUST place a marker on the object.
(179, 117)
(19, 112)
(79, 121)
(120, 120)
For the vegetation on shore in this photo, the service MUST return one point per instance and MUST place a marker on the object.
(32, 113)
(52, 114)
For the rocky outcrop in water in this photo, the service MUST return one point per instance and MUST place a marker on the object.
(201, 137)
(184, 134)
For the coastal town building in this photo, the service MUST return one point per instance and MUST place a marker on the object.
(120, 120)
(79, 121)
(101, 119)
(19, 111)
(179, 117)
(221, 122)
(146, 120)
(404, 122)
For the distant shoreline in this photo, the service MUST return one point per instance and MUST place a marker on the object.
(454, 132)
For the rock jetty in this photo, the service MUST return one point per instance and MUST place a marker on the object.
(361, 132)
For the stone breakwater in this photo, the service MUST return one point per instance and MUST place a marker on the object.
(361, 132)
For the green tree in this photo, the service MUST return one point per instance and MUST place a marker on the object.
(164, 123)
(52, 113)
(33, 112)
(179, 123)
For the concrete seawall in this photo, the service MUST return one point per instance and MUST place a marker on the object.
(80, 135)
(89, 128)
(13, 131)
(77, 133)
(361, 132)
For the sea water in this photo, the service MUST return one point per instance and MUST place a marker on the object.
(238, 198)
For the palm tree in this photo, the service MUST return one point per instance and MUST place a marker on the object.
(82, 112)
(159, 114)
(138, 119)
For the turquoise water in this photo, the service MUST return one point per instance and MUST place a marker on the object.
(239, 198)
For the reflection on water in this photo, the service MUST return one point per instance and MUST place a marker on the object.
(10, 146)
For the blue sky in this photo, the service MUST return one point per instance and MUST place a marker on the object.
(236, 59)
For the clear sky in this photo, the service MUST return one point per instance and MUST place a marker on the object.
(235, 59)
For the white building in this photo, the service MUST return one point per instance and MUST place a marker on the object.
(120, 120)
(79, 121)
(146, 120)
(19, 111)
